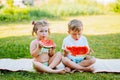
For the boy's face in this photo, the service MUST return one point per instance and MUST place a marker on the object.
(75, 34)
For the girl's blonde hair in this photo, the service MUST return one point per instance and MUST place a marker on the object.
(41, 23)
(75, 25)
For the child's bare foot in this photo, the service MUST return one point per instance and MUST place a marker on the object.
(75, 70)
(89, 69)
(67, 69)
(79, 70)
(61, 71)
(72, 71)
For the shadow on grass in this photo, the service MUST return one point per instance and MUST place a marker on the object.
(104, 46)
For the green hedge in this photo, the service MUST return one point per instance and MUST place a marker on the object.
(117, 6)
(55, 9)
(26, 14)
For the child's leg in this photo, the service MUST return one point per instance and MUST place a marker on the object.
(88, 61)
(55, 60)
(73, 65)
(42, 68)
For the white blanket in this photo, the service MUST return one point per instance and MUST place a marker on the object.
(17, 64)
(101, 65)
(107, 65)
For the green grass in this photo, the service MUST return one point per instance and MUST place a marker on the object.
(15, 41)
(104, 46)
(76, 76)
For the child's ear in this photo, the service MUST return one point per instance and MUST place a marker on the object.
(69, 32)
(35, 33)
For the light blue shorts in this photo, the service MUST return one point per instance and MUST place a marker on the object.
(76, 59)
(45, 63)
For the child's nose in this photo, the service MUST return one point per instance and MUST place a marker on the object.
(44, 33)
(77, 37)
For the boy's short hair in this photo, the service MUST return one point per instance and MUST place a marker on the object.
(75, 25)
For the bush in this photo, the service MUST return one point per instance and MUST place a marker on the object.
(13, 18)
(1, 6)
(22, 14)
(36, 13)
(72, 10)
(50, 10)
(117, 6)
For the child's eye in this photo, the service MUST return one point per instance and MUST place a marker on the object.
(74, 34)
(41, 31)
(46, 30)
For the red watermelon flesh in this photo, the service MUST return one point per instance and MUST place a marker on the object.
(47, 43)
(77, 50)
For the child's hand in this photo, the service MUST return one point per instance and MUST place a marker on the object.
(67, 51)
(39, 45)
(54, 46)
(90, 51)
(52, 51)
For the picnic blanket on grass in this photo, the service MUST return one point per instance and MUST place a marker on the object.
(101, 65)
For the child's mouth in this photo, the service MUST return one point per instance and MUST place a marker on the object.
(76, 39)
(43, 37)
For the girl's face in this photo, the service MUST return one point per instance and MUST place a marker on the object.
(75, 34)
(42, 32)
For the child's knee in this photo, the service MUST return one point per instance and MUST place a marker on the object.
(90, 59)
(64, 59)
(59, 54)
(93, 60)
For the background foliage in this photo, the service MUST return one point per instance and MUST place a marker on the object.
(55, 9)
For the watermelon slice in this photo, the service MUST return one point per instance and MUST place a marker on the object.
(47, 43)
(77, 50)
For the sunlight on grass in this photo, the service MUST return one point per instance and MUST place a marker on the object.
(14, 30)
(103, 24)
(93, 25)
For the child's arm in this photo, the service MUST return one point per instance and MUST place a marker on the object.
(35, 50)
(90, 51)
(65, 53)
(52, 51)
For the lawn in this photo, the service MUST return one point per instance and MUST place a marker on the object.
(102, 32)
